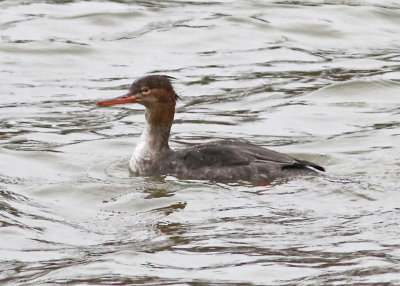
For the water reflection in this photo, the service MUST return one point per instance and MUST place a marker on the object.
(319, 81)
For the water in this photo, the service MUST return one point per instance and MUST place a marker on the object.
(319, 80)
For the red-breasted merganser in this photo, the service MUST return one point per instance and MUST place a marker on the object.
(217, 161)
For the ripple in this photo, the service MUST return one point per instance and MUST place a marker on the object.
(316, 80)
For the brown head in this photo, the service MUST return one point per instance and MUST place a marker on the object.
(156, 93)
(148, 91)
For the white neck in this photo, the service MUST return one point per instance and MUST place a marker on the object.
(153, 146)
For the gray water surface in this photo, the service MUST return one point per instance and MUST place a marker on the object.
(318, 80)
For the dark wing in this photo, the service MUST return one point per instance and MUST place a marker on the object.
(229, 153)
(230, 157)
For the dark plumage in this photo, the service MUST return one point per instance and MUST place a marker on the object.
(233, 160)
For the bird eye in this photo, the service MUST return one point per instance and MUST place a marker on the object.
(145, 90)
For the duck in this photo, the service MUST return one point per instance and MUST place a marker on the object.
(220, 161)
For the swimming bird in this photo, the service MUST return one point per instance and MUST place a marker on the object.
(226, 160)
